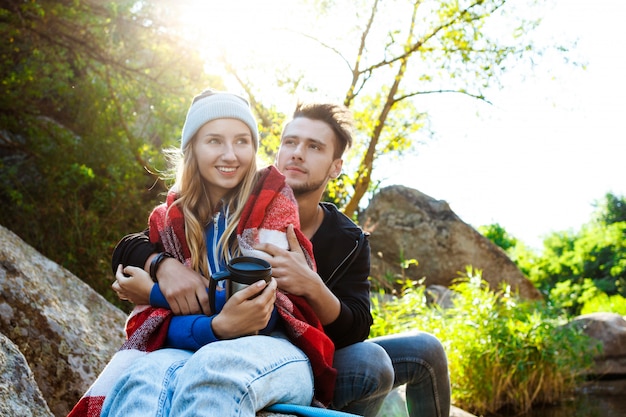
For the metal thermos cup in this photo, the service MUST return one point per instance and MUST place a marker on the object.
(240, 273)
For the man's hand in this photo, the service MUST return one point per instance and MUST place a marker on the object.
(293, 275)
(290, 268)
(184, 289)
(247, 311)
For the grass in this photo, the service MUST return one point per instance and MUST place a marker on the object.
(503, 352)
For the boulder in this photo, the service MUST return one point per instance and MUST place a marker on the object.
(610, 330)
(405, 223)
(64, 329)
(19, 393)
(440, 296)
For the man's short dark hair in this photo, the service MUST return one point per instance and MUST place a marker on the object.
(337, 116)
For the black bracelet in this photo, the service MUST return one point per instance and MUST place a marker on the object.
(156, 262)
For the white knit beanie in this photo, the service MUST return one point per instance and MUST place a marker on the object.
(210, 105)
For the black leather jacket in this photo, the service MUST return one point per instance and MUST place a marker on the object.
(342, 255)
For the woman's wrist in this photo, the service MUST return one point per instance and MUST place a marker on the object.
(216, 328)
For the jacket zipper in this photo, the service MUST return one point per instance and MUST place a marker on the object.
(356, 246)
(216, 220)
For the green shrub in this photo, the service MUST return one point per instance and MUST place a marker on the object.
(503, 352)
(602, 302)
(570, 296)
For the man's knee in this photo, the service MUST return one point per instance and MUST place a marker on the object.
(413, 344)
(367, 359)
(433, 348)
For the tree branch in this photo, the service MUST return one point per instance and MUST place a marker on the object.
(418, 93)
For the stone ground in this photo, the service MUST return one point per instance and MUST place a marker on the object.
(395, 406)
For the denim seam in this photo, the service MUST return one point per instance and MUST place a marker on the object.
(265, 371)
(171, 371)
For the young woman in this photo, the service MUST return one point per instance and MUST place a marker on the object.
(209, 364)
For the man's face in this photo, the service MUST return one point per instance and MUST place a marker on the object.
(305, 155)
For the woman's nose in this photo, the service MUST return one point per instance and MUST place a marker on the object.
(228, 153)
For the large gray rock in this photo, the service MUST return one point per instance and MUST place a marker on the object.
(64, 329)
(610, 330)
(405, 222)
(19, 393)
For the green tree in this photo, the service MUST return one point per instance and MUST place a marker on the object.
(612, 209)
(396, 54)
(498, 235)
(576, 266)
(91, 91)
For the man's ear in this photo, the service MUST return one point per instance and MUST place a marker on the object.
(335, 168)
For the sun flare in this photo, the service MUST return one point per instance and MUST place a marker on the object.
(228, 26)
(260, 37)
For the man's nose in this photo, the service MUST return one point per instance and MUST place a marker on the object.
(298, 152)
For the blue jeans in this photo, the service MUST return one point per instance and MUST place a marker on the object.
(227, 378)
(367, 371)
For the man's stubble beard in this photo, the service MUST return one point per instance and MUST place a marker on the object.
(308, 187)
(301, 189)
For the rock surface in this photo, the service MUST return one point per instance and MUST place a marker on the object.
(19, 393)
(64, 329)
(610, 330)
(403, 221)
(395, 406)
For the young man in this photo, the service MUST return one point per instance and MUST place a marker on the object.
(310, 154)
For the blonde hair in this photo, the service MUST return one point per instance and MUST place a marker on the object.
(198, 210)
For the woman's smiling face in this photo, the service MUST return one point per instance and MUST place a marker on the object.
(224, 152)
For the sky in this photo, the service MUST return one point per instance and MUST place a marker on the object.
(534, 161)
(548, 147)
